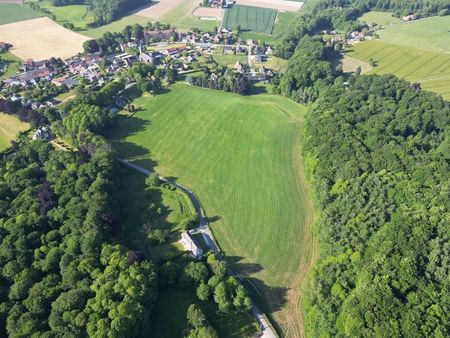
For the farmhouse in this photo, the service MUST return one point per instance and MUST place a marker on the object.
(175, 50)
(190, 245)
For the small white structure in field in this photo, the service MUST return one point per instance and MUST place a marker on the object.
(190, 245)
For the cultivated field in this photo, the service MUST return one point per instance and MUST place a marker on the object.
(10, 126)
(157, 9)
(208, 12)
(281, 5)
(250, 18)
(40, 39)
(430, 34)
(12, 13)
(241, 156)
(431, 69)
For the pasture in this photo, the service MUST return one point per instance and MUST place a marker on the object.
(250, 18)
(10, 13)
(10, 126)
(242, 158)
(429, 34)
(13, 64)
(40, 39)
(75, 14)
(380, 18)
(283, 22)
(431, 69)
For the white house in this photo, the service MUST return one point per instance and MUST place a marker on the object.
(190, 245)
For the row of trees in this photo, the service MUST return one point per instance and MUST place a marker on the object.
(221, 79)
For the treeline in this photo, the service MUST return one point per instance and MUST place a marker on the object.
(377, 149)
(379, 153)
(60, 272)
(221, 79)
(107, 10)
(66, 2)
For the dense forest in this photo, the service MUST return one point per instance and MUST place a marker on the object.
(377, 152)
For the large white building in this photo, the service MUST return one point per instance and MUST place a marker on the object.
(190, 245)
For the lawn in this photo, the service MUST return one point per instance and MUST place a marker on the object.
(10, 126)
(169, 316)
(12, 62)
(241, 157)
(430, 34)
(229, 59)
(253, 19)
(431, 69)
(10, 13)
(380, 18)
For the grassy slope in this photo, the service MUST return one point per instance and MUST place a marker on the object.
(250, 18)
(13, 63)
(10, 126)
(74, 14)
(431, 69)
(380, 18)
(241, 156)
(115, 26)
(12, 13)
(430, 34)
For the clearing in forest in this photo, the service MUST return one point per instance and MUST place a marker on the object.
(241, 156)
(10, 126)
(254, 19)
(40, 39)
(431, 69)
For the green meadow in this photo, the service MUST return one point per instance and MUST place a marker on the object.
(241, 156)
(10, 13)
(254, 19)
(429, 34)
(380, 18)
(431, 69)
(10, 126)
(13, 64)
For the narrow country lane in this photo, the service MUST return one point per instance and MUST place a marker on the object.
(267, 331)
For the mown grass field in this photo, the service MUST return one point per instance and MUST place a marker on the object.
(241, 156)
(254, 19)
(380, 18)
(431, 69)
(430, 34)
(10, 13)
(10, 126)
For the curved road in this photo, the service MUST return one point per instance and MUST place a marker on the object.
(266, 329)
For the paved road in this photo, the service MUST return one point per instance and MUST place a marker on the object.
(267, 331)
